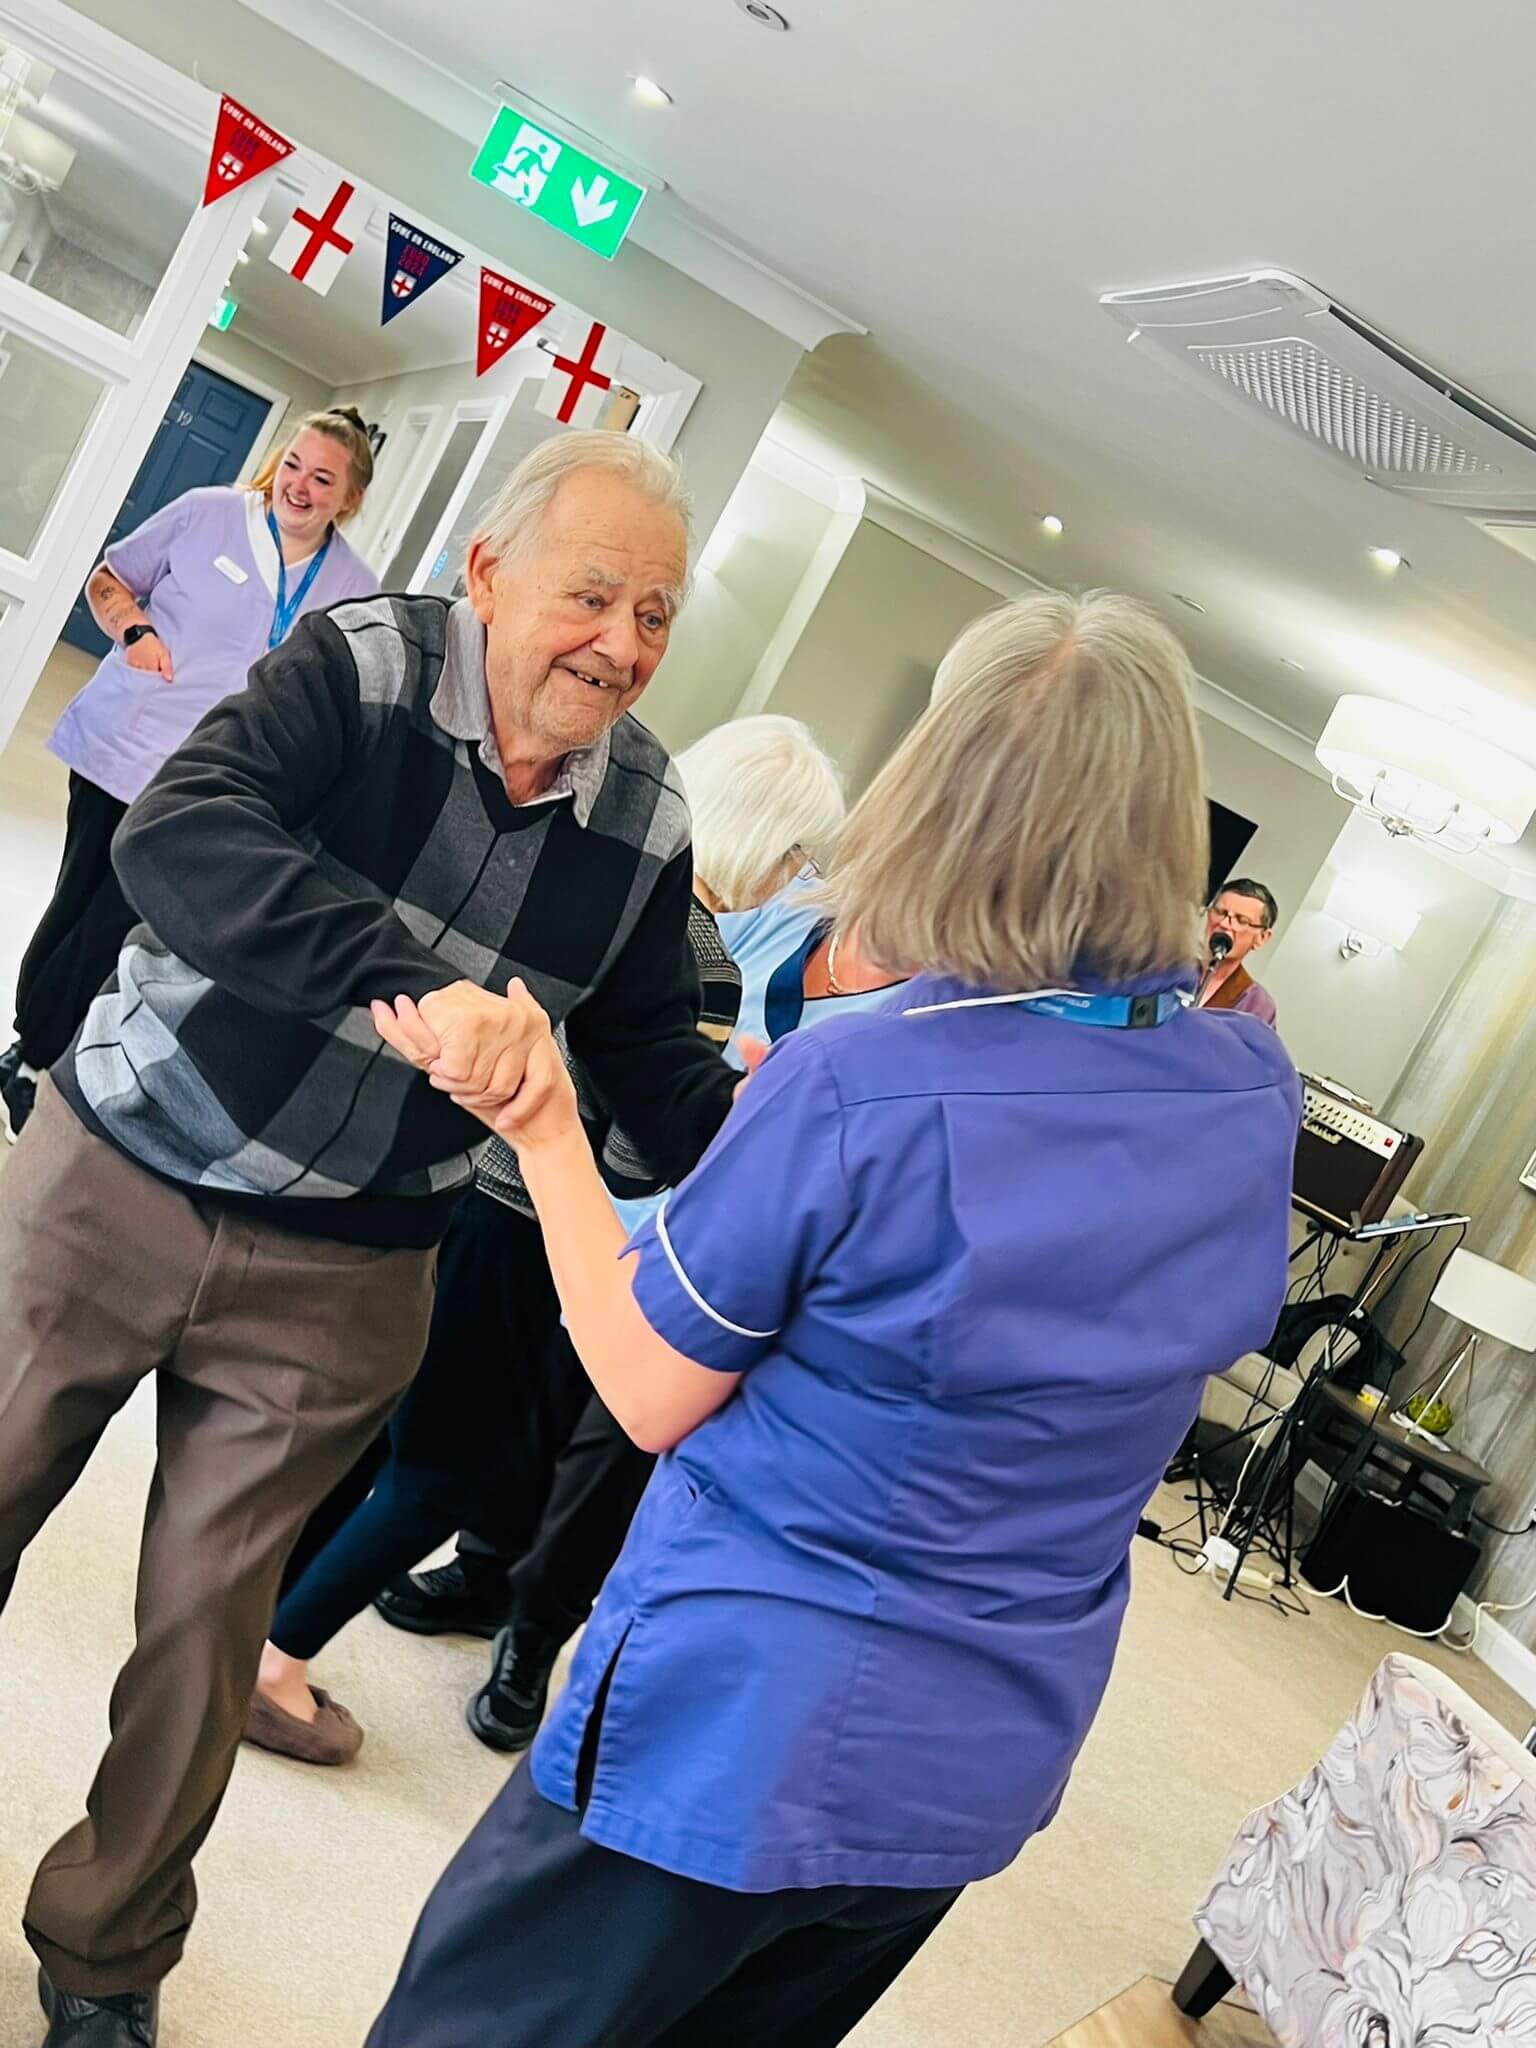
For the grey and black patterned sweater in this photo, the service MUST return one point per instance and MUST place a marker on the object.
(340, 831)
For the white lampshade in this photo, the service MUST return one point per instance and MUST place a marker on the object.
(1436, 780)
(1372, 911)
(1489, 1298)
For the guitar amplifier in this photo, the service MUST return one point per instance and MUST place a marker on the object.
(1349, 1164)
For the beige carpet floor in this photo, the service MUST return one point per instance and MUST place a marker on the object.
(312, 1879)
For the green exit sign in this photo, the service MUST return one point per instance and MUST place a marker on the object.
(587, 200)
(224, 313)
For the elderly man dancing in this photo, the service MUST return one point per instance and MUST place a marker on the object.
(231, 1183)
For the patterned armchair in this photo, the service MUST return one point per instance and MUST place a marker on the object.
(1390, 1900)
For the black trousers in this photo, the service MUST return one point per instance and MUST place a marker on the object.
(476, 1436)
(75, 946)
(536, 1938)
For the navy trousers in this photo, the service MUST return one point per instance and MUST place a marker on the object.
(536, 1938)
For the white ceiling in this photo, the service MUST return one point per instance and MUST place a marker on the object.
(967, 179)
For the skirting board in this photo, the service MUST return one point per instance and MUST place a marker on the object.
(1497, 1647)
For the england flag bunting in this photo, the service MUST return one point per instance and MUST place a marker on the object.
(509, 312)
(243, 147)
(576, 389)
(326, 226)
(413, 263)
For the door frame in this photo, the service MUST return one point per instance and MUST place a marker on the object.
(494, 412)
(407, 493)
(278, 403)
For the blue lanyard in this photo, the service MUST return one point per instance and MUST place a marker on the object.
(1122, 1013)
(287, 609)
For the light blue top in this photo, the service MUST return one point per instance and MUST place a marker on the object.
(760, 941)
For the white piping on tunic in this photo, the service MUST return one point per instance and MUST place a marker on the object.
(693, 1293)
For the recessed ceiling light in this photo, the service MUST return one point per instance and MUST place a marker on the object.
(1051, 523)
(260, 228)
(1193, 603)
(1286, 662)
(648, 92)
(764, 15)
(1387, 559)
(241, 257)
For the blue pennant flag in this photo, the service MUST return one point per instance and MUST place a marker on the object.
(413, 263)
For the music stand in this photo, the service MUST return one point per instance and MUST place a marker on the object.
(1251, 1514)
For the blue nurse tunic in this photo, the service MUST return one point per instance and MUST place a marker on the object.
(975, 1263)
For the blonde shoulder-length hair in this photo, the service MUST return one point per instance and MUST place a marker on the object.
(1046, 815)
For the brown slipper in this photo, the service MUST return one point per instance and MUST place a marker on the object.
(333, 1737)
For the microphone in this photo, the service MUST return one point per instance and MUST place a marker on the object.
(1220, 947)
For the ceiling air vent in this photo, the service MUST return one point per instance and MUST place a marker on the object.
(1270, 340)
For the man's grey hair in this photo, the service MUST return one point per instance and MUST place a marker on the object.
(765, 799)
(509, 524)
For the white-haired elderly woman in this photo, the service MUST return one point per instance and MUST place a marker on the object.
(762, 792)
(917, 1338)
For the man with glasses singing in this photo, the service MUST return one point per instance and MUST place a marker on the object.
(1246, 913)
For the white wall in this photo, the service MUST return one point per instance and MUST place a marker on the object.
(862, 669)
(736, 606)
(1297, 815)
(1359, 1020)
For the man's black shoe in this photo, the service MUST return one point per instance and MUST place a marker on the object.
(131, 2019)
(506, 1712)
(453, 1600)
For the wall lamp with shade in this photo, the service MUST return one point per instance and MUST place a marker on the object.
(1422, 778)
(1374, 919)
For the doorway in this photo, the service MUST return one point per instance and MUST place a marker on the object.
(209, 428)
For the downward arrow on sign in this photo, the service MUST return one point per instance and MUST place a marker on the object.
(588, 204)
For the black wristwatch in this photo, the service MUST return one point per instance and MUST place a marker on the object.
(135, 634)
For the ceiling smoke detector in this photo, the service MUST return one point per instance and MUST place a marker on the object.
(764, 15)
(1270, 341)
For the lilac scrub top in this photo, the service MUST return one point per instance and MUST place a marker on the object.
(975, 1264)
(204, 569)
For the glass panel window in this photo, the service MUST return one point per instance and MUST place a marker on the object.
(45, 408)
(93, 197)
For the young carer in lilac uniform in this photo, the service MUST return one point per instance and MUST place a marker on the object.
(917, 1337)
(191, 600)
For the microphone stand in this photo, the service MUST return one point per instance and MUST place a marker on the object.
(1221, 946)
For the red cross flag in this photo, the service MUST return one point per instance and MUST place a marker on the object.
(509, 312)
(243, 148)
(576, 389)
(322, 233)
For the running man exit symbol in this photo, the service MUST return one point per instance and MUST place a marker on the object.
(587, 200)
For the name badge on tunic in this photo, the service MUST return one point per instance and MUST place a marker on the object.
(230, 569)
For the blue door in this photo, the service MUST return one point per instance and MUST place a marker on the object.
(207, 432)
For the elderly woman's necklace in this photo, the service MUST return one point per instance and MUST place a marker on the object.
(833, 983)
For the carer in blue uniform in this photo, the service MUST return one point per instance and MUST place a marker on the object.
(918, 1336)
